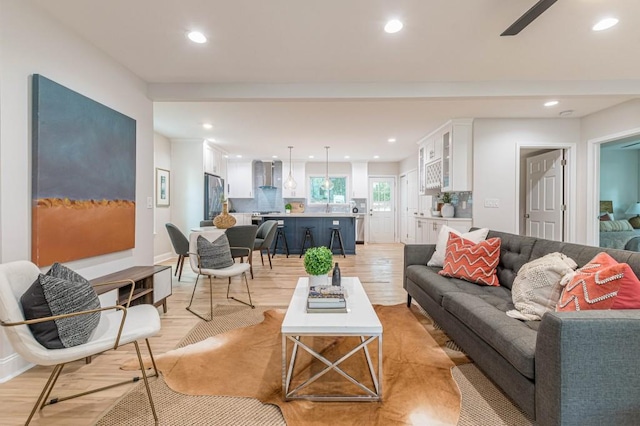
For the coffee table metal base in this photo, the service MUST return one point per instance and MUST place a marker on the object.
(374, 394)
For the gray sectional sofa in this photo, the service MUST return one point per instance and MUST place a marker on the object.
(571, 368)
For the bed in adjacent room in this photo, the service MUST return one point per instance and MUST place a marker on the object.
(618, 234)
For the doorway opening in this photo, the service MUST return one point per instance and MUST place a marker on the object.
(546, 192)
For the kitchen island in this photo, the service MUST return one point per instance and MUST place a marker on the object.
(322, 222)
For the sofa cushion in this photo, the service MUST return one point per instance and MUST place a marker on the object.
(473, 262)
(537, 288)
(476, 236)
(436, 286)
(515, 340)
(515, 251)
(596, 284)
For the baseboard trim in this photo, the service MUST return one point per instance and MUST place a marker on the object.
(162, 257)
(12, 366)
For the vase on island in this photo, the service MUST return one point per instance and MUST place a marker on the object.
(224, 220)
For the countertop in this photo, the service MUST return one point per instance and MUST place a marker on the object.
(311, 215)
(443, 218)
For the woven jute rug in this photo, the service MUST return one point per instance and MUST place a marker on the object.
(482, 403)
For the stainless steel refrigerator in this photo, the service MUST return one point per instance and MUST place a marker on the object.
(213, 195)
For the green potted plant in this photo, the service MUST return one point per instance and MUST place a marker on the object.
(287, 208)
(317, 263)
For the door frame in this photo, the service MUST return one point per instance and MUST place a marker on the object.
(403, 198)
(570, 182)
(395, 204)
(593, 180)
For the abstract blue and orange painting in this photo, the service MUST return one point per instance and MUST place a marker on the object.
(83, 176)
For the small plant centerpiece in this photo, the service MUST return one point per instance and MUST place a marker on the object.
(447, 209)
(317, 263)
(287, 208)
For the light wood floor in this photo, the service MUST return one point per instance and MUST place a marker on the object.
(379, 267)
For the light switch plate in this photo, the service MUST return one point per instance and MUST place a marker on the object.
(336, 222)
(281, 222)
(149, 202)
(492, 203)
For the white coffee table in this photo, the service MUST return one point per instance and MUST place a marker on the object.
(360, 320)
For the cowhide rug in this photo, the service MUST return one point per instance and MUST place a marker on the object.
(417, 384)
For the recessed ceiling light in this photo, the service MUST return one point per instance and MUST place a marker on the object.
(207, 126)
(605, 24)
(393, 26)
(566, 113)
(311, 156)
(551, 103)
(391, 140)
(346, 157)
(274, 156)
(226, 156)
(376, 156)
(197, 37)
(238, 156)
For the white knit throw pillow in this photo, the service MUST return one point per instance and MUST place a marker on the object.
(537, 288)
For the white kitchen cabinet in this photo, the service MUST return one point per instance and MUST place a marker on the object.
(422, 152)
(457, 155)
(429, 229)
(242, 218)
(212, 160)
(240, 179)
(299, 175)
(359, 180)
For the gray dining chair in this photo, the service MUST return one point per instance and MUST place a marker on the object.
(242, 237)
(206, 223)
(180, 246)
(264, 239)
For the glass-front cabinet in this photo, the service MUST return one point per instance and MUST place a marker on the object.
(421, 168)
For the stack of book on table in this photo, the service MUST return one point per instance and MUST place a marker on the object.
(326, 299)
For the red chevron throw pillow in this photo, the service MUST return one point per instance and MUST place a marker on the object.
(603, 283)
(472, 262)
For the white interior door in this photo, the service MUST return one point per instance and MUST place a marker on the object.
(545, 195)
(382, 210)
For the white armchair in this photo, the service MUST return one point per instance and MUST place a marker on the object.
(118, 325)
(231, 271)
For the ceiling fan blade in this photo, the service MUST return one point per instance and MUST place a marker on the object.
(528, 17)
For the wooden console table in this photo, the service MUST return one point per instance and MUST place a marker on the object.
(152, 285)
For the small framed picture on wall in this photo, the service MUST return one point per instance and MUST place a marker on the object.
(162, 188)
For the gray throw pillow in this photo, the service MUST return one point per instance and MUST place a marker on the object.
(216, 254)
(61, 291)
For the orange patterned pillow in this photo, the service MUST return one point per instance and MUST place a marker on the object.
(596, 285)
(472, 262)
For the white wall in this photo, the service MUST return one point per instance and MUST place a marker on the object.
(619, 179)
(495, 157)
(31, 42)
(384, 169)
(162, 248)
(187, 184)
(409, 163)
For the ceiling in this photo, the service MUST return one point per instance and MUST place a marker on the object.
(312, 73)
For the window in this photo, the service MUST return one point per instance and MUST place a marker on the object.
(338, 195)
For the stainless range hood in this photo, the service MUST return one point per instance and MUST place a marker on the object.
(265, 172)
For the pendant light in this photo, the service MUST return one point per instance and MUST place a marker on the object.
(327, 184)
(290, 183)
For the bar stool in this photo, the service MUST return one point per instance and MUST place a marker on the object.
(335, 232)
(308, 236)
(280, 234)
